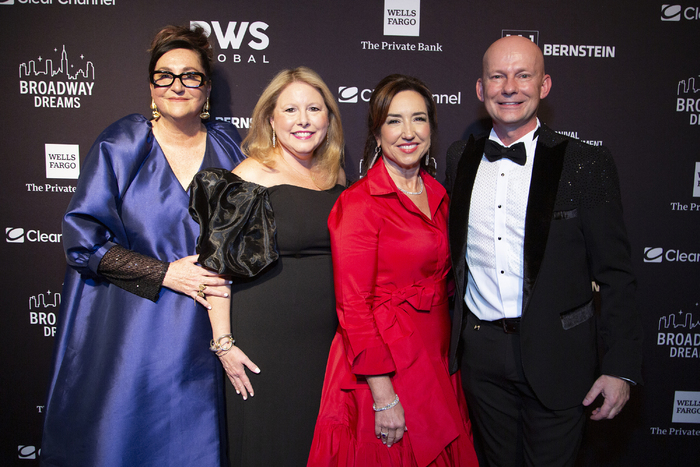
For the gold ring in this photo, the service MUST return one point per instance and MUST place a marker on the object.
(201, 294)
(202, 287)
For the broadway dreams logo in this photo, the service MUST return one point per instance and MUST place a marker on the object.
(679, 333)
(56, 82)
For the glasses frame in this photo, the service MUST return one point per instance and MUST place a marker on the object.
(187, 73)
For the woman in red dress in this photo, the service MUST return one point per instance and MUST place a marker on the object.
(388, 398)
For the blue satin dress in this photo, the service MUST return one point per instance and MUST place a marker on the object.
(133, 382)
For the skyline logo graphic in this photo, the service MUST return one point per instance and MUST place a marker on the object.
(57, 85)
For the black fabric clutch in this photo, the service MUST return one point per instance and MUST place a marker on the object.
(237, 234)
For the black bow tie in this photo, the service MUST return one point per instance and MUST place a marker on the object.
(494, 151)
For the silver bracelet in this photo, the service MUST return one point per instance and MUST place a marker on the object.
(220, 348)
(386, 407)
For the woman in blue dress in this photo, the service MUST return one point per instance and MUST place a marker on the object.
(134, 382)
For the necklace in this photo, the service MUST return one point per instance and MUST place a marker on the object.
(310, 175)
(419, 192)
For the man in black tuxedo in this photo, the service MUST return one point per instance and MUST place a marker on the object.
(532, 225)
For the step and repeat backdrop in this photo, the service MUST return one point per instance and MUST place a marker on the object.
(625, 74)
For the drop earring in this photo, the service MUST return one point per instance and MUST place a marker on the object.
(154, 110)
(205, 111)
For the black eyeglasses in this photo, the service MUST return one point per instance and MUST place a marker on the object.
(190, 79)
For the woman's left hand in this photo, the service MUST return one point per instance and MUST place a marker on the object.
(187, 277)
(390, 424)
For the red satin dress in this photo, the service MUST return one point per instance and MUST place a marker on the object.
(391, 265)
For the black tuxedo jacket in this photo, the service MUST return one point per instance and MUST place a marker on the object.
(574, 234)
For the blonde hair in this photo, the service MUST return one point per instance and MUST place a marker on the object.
(327, 158)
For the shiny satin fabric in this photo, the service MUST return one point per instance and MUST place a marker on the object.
(236, 222)
(133, 382)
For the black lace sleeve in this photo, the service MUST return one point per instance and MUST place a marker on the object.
(237, 225)
(136, 273)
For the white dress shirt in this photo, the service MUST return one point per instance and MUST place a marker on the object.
(496, 233)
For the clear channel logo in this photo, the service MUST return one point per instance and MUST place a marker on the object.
(20, 235)
(27, 452)
(59, 84)
(677, 13)
(353, 95)
(658, 255)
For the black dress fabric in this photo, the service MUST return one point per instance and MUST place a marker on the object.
(236, 222)
(284, 318)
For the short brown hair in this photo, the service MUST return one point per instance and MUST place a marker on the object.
(181, 37)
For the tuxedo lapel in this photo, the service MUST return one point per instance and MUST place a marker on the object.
(544, 184)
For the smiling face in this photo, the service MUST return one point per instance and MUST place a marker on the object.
(176, 101)
(512, 85)
(300, 120)
(405, 134)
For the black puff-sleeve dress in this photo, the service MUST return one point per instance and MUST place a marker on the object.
(275, 243)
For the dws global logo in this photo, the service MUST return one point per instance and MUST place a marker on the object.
(18, 235)
(233, 39)
(676, 12)
(402, 17)
(657, 255)
(57, 86)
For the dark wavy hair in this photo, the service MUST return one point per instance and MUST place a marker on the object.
(379, 103)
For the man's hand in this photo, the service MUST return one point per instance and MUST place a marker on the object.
(616, 392)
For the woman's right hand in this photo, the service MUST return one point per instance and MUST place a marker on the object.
(234, 362)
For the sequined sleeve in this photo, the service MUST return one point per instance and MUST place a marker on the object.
(133, 272)
(236, 221)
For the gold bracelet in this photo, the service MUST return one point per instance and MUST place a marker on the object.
(220, 348)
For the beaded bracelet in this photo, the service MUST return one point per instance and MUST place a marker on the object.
(220, 348)
(386, 407)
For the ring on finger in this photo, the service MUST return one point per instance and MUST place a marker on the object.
(202, 287)
(201, 294)
(384, 435)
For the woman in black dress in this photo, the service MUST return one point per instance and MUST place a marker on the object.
(283, 319)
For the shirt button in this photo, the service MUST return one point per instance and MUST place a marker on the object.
(499, 238)
(503, 175)
(502, 272)
(499, 206)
